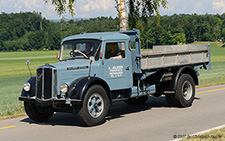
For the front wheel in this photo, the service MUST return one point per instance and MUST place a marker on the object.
(95, 106)
(37, 113)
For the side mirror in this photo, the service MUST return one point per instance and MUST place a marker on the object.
(28, 62)
(92, 60)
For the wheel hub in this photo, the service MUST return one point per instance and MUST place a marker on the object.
(95, 105)
(187, 90)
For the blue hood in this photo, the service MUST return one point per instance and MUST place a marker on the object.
(71, 63)
(70, 70)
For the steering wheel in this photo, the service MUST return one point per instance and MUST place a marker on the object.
(72, 54)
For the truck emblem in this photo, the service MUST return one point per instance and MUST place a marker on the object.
(79, 67)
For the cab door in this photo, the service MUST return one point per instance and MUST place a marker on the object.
(117, 69)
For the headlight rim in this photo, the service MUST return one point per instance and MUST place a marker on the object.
(27, 86)
(65, 87)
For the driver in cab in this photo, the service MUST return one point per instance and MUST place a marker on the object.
(112, 51)
(87, 53)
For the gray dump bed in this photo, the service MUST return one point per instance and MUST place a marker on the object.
(175, 55)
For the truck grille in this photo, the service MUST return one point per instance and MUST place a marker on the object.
(46, 82)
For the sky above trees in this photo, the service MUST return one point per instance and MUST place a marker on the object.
(96, 8)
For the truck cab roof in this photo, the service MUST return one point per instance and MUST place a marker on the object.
(99, 36)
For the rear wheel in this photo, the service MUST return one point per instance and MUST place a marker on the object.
(37, 113)
(137, 101)
(95, 106)
(184, 93)
(170, 98)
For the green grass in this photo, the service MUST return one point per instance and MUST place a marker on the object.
(13, 68)
(14, 63)
(214, 76)
(10, 90)
(14, 72)
(27, 54)
(217, 74)
(216, 50)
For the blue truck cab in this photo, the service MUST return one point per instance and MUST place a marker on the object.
(96, 69)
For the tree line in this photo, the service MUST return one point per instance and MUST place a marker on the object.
(30, 31)
(183, 28)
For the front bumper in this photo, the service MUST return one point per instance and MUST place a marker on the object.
(53, 101)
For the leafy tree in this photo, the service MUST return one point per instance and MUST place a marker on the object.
(137, 8)
(62, 5)
(178, 38)
(141, 9)
(29, 31)
(38, 40)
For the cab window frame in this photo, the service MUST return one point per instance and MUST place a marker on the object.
(121, 46)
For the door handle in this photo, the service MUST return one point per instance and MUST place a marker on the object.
(128, 67)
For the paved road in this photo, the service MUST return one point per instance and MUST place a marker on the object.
(153, 121)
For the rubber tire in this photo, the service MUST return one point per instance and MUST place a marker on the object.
(178, 99)
(170, 98)
(83, 114)
(137, 101)
(35, 114)
(181, 101)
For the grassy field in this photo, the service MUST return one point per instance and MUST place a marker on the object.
(27, 54)
(14, 72)
(217, 74)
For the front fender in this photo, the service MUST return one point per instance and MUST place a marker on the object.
(79, 87)
(31, 93)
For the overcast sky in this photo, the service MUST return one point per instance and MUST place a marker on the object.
(96, 8)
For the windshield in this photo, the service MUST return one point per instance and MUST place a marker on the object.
(80, 49)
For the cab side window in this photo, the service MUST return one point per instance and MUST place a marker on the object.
(115, 50)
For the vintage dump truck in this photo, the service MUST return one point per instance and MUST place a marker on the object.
(96, 69)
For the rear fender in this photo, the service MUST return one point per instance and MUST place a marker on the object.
(185, 70)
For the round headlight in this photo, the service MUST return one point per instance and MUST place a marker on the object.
(26, 86)
(64, 88)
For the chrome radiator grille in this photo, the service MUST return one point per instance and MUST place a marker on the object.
(46, 82)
